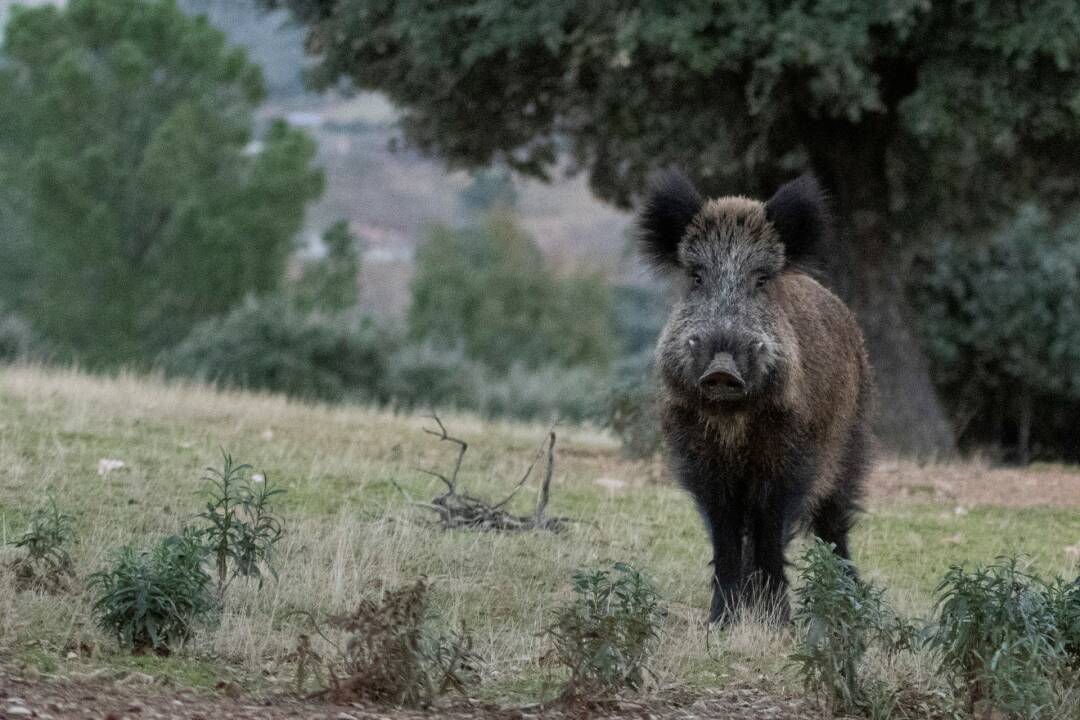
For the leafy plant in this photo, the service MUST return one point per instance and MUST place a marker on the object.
(605, 636)
(271, 344)
(840, 617)
(241, 527)
(388, 651)
(47, 562)
(997, 638)
(153, 600)
(1065, 606)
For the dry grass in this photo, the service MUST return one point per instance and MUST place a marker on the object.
(350, 534)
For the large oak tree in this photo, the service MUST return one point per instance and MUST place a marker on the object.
(916, 114)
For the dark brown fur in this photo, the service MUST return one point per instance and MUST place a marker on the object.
(792, 450)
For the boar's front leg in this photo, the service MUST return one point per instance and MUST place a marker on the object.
(770, 525)
(725, 517)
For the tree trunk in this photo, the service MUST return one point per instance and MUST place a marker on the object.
(867, 268)
(1023, 427)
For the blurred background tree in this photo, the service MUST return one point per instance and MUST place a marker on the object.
(1001, 320)
(488, 289)
(127, 158)
(330, 282)
(918, 116)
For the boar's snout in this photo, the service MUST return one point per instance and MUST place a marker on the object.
(722, 379)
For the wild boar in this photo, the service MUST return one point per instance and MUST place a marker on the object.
(764, 384)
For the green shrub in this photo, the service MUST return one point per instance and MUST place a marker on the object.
(605, 636)
(425, 376)
(240, 528)
(1000, 320)
(1065, 607)
(47, 563)
(330, 283)
(997, 639)
(154, 600)
(572, 394)
(270, 345)
(840, 617)
(388, 651)
(632, 412)
(487, 289)
(18, 341)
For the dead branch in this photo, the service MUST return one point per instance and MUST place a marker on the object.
(457, 509)
(545, 488)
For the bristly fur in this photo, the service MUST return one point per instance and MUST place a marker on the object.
(800, 213)
(671, 205)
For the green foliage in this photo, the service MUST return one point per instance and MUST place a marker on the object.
(572, 394)
(490, 189)
(840, 618)
(997, 638)
(605, 636)
(146, 208)
(330, 283)
(1001, 319)
(240, 528)
(154, 600)
(47, 562)
(957, 99)
(389, 651)
(487, 289)
(18, 341)
(1064, 600)
(423, 375)
(269, 344)
(633, 413)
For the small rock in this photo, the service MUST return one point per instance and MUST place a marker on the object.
(18, 711)
(610, 483)
(137, 678)
(107, 465)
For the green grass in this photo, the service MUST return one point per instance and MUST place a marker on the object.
(350, 532)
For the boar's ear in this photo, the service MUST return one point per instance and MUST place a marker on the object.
(800, 213)
(670, 206)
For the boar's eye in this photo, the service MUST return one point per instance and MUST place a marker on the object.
(760, 281)
(695, 277)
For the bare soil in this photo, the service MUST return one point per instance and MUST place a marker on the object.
(974, 484)
(139, 696)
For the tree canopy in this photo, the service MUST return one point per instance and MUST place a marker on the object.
(916, 115)
(979, 93)
(133, 199)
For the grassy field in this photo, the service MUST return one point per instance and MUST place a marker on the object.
(350, 533)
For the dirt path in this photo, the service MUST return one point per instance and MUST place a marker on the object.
(137, 696)
(973, 484)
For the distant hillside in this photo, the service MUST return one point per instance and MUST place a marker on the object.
(392, 198)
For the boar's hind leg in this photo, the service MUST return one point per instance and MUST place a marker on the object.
(833, 519)
(834, 516)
